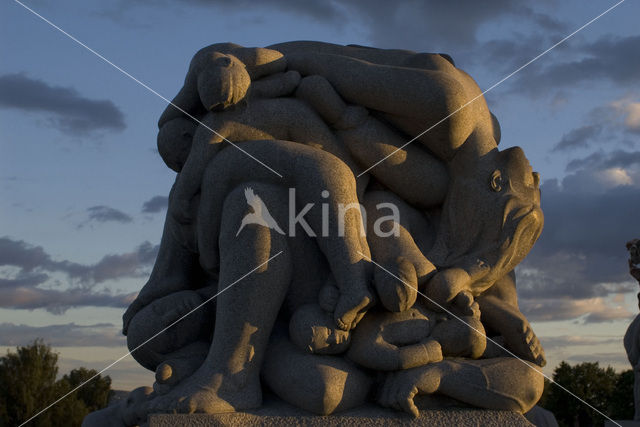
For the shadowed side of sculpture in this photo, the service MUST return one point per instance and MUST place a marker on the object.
(632, 336)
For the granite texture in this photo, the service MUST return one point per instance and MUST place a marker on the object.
(309, 250)
(280, 414)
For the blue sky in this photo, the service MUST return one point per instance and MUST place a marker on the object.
(83, 187)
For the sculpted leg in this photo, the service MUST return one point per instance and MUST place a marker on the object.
(176, 267)
(398, 244)
(228, 380)
(501, 314)
(345, 246)
(501, 383)
(318, 384)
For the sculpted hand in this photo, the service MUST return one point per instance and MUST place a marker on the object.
(350, 309)
(465, 305)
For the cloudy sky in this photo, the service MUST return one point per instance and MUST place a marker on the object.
(84, 190)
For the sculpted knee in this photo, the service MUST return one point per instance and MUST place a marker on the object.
(532, 388)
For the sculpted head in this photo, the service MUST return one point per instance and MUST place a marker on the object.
(520, 216)
(313, 330)
(493, 213)
(224, 82)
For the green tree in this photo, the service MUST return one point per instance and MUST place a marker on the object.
(591, 383)
(621, 406)
(28, 385)
(94, 394)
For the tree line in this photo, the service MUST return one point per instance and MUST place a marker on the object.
(28, 383)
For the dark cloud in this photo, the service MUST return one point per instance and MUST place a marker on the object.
(103, 213)
(67, 335)
(129, 264)
(582, 246)
(580, 261)
(579, 138)
(33, 285)
(609, 58)
(57, 301)
(563, 341)
(25, 280)
(430, 25)
(323, 10)
(601, 160)
(155, 204)
(589, 310)
(20, 254)
(610, 123)
(69, 111)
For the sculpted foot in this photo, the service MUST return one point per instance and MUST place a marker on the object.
(171, 372)
(210, 393)
(402, 386)
(525, 344)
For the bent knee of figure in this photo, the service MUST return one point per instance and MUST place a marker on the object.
(319, 384)
(534, 381)
(518, 395)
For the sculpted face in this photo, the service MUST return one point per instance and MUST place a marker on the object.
(519, 201)
(223, 83)
(493, 215)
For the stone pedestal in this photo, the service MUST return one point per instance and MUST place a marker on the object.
(277, 413)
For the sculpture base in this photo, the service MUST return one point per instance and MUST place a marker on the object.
(623, 423)
(278, 413)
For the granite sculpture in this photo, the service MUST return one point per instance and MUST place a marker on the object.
(632, 336)
(310, 250)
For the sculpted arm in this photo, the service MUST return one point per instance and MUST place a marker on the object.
(370, 349)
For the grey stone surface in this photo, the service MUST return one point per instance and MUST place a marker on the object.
(541, 417)
(349, 304)
(622, 423)
(632, 336)
(280, 414)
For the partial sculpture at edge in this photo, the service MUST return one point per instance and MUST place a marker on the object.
(632, 336)
(317, 322)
